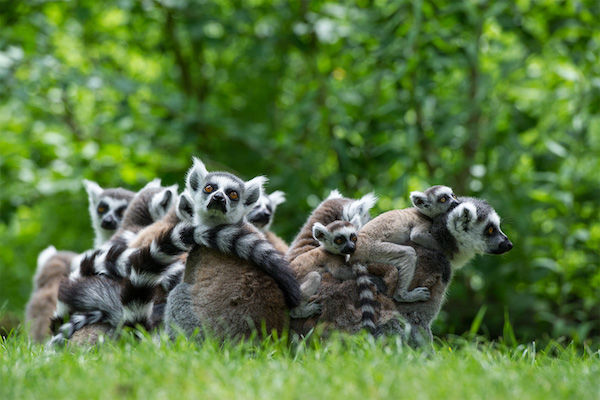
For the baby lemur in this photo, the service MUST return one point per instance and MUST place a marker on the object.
(384, 239)
(337, 242)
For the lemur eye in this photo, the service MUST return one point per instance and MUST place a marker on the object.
(339, 240)
(490, 230)
(208, 188)
(353, 237)
(120, 211)
(233, 195)
(102, 209)
(443, 199)
(454, 196)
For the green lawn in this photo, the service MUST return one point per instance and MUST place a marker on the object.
(346, 368)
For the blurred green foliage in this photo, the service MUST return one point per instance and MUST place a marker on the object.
(498, 99)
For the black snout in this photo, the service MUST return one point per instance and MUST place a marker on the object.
(109, 223)
(260, 218)
(503, 247)
(349, 248)
(218, 202)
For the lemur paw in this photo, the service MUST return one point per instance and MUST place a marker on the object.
(417, 294)
(306, 310)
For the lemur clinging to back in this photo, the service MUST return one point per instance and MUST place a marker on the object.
(471, 227)
(333, 208)
(262, 215)
(384, 239)
(337, 242)
(106, 208)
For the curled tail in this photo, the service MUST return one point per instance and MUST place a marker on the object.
(366, 299)
(151, 266)
(245, 242)
(76, 322)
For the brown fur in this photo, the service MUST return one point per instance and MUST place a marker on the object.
(145, 236)
(277, 242)
(40, 307)
(327, 212)
(322, 261)
(390, 227)
(339, 300)
(231, 297)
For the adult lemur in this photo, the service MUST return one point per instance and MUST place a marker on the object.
(471, 228)
(235, 281)
(106, 208)
(99, 273)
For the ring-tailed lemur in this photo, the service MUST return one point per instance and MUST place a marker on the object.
(223, 200)
(384, 239)
(337, 243)
(106, 207)
(223, 289)
(79, 294)
(471, 228)
(262, 215)
(333, 208)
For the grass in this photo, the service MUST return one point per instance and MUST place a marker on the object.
(343, 367)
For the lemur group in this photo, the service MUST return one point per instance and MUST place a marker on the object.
(205, 262)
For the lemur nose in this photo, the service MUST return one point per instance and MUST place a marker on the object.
(219, 196)
(108, 223)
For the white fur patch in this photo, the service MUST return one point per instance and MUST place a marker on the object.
(136, 312)
(62, 309)
(334, 194)
(143, 278)
(159, 255)
(224, 238)
(244, 245)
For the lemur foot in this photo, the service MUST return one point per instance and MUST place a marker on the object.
(306, 310)
(417, 294)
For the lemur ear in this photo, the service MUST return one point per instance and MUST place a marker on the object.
(277, 197)
(463, 216)
(93, 190)
(162, 201)
(154, 183)
(357, 222)
(319, 231)
(359, 208)
(334, 194)
(185, 208)
(253, 189)
(419, 199)
(195, 175)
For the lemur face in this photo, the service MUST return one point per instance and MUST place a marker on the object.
(220, 197)
(435, 201)
(339, 237)
(476, 225)
(106, 207)
(262, 214)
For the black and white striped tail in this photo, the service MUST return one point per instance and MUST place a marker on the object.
(85, 301)
(76, 322)
(366, 299)
(151, 266)
(247, 243)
